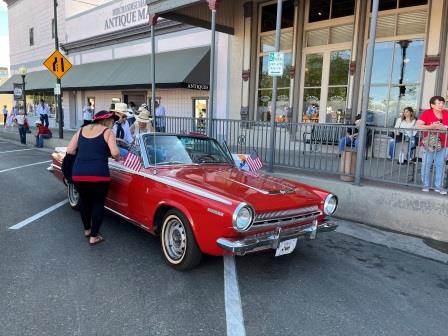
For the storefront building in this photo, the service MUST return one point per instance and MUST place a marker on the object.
(324, 44)
(109, 48)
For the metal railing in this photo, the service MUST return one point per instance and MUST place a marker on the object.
(389, 156)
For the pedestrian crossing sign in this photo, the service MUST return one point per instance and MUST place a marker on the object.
(57, 64)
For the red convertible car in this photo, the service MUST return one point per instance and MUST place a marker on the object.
(190, 193)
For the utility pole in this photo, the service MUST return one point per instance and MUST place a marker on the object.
(58, 81)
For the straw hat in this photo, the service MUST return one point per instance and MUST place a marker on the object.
(121, 108)
(144, 116)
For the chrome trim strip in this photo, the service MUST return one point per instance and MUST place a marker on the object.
(55, 166)
(173, 183)
(126, 218)
(248, 186)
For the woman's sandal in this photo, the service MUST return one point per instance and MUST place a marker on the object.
(98, 240)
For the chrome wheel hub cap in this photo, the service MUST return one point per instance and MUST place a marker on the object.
(175, 239)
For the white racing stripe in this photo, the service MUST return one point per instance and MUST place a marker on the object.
(37, 216)
(17, 150)
(234, 311)
(28, 165)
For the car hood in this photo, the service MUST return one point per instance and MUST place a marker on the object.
(263, 192)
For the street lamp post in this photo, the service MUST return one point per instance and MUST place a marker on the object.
(58, 97)
(23, 72)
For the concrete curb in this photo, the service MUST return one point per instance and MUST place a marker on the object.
(407, 211)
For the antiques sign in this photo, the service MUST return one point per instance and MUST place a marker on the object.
(127, 14)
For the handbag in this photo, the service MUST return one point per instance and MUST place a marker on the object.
(432, 142)
(397, 137)
(67, 166)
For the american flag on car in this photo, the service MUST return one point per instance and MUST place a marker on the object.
(254, 161)
(132, 159)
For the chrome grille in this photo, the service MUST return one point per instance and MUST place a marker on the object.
(285, 217)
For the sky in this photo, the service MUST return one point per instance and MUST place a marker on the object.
(4, 38)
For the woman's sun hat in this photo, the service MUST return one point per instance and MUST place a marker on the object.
(103, 115)
(144, 116)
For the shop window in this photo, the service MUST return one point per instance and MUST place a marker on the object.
(320, 10)
(31, 36)
(394, 4)
(269, 16)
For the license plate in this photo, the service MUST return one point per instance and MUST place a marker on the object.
(286, 247)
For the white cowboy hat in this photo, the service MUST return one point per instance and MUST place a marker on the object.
(38, 122)
(144, 116)
(119, 108)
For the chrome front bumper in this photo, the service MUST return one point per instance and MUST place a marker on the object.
(272, 240)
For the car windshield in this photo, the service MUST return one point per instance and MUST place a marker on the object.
(180, 149)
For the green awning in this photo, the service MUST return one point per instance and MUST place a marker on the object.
(180, 68)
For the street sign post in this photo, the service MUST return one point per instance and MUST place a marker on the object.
(276, 63)
(57, 64)
(57, 89)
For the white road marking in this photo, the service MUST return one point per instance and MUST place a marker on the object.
(234, 311)
(28, 165)
(17, 150)
(37, 216)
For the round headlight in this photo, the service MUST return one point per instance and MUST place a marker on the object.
(330, 204)
(243, 217)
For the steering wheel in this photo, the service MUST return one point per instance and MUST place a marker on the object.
(205, 158)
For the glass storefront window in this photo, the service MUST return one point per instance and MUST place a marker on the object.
(269, 16)
(313, 69)
(311, 104)
(267, 45)
(407, 55)
(396, 78)
(321, 10)
(339, 66)
(393, 4)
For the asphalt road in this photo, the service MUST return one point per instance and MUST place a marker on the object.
(53, 283)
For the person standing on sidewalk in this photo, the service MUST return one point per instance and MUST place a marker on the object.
(93, 144)
(87, 113)
(5, 115)
(43, 111)
(21, 122)
(435, 143)
(159, 117)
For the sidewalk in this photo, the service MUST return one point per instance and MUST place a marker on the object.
(388, 206)
(13, 134)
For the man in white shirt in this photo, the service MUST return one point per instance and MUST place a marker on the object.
(43, 111)
(87, 113)
(160, 116)
(121, 128)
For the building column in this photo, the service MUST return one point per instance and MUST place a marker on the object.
(432, 72)
(245, 72)
(354, 90)
(444, 53)
(294, 114)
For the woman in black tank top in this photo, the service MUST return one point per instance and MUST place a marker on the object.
(93, 144)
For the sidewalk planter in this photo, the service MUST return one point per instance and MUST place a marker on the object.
(347, 165)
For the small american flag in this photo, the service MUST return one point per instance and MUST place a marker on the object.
(132, 159)
(253, 161)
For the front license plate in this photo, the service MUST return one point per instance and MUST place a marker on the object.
(286, 247)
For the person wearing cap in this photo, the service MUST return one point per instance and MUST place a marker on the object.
(142, 124)
(92, 145)
(43, 132)
(121, 128)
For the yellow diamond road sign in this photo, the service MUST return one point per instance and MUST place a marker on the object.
(57, 64)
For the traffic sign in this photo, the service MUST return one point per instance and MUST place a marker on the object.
(57, 64)
(57, 89)
(276, 63)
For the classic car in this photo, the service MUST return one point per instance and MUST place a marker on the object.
(190, 193)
